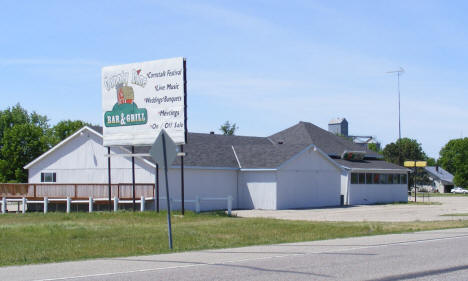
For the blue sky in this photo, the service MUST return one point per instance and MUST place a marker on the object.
(264, 65)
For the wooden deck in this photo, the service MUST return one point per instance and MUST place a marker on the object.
(75, 190)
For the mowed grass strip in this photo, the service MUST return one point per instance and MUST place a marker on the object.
(455, 215)
(39, 238)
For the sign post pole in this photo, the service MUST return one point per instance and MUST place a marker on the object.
(164, 151)
(109, 177)
(415, 165)
(414, 179)
(133, 177)
(182, 179)
(157, 187)
(169, 227)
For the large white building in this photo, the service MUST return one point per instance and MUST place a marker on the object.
(299, 167)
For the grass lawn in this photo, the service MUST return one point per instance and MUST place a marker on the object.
(423, 203)
(39, 238)
(412, 203)
(456, 215)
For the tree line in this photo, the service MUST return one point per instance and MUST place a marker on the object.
(25, 136)
(453, 157)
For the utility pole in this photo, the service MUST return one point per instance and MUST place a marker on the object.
(398, 72)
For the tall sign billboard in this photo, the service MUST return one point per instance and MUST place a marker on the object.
(140, 99)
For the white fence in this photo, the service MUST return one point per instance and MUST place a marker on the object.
(24, 202)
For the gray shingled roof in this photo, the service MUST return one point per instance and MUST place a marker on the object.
(329, 143)
(266, 156)
(441, 174)
(213, 150)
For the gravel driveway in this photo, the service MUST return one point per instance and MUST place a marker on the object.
(390, 212)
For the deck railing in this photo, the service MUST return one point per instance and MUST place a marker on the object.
(75, 190)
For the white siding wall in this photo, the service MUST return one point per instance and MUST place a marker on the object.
(377, 193)
(309, 180)
(257, 190)
(344, 185)
(200, 182)
(82, 160)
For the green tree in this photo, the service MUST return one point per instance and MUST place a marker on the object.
(20, 145)
(403, 150)
(17, 115)
(431, 161)
(227, 129)
(454, 159)
(23, 137)
(375, 147)
(64, 129)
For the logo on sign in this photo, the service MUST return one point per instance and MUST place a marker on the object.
(125, 112)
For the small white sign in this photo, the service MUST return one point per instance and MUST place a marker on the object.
(141, 99)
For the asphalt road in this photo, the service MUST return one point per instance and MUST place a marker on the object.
(432, 255)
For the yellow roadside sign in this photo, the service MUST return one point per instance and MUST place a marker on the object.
(421, 163)
(413, 164)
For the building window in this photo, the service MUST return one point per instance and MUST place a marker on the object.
(48, 177)
(390, 179)
(369, 178)
(376, 178)
(354, 178)
(383, 179)
(362, 178)
(396, 179)
(404, 179)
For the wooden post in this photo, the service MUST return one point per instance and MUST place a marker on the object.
(68, 204)
(4, 203)
(76, 190)
(229, 205)
(34, 191)
(23, 200)
(197, 204)
(90, 204)
(116, 204)
(46, 203)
